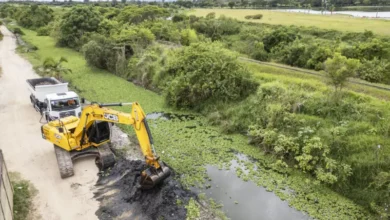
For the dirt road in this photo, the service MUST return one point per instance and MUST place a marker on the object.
(27, 153)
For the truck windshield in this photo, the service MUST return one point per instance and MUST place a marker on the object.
(64, 104)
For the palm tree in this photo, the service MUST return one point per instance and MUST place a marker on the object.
(53, 68)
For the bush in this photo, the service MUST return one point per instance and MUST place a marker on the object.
(143, 69)
(179, 17)
(205, 73)
(257, 16)
(282, 35)
(17, 30)
(34, 16)
(43, 31)
(216, 28)
(99, 52)
(188, 36)
(135, 15)
(374, 71)
(211, 15)
(137, 37)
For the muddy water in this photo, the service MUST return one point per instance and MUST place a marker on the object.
(245, 200)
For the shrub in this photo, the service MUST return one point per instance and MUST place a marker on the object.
(204, 73)
(137, 37)
(216, 28)
(374, 70)
(99, 52)
(43, 31)
(142, 69)
(248, 17)
(34, 16)
(257, 16)
(188, 36)
(179, 17)
(17, 30)
(210, 15)
(282, 35)
(136, 15)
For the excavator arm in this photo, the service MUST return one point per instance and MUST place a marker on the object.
(74, 134)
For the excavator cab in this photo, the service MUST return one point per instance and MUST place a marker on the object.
(99, 132)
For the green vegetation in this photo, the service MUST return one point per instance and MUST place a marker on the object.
(192, 210)
(300, 47)
(52, 68)
(303, 138)
(334, 22)
(23, 196)
(205, 73)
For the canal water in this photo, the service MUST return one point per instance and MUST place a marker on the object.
(246, 200)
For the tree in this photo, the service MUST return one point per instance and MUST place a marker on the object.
(244, 3)
(77, 22)
(34, 16)
(332, 8)
(231, 4)
(340, 68)
(134, 15)
(53, 68)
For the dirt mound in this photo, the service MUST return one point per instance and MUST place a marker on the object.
(121, 198)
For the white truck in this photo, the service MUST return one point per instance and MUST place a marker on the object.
(52, 98)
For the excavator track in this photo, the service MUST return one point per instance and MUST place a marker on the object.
(106, 158)
(65, 164)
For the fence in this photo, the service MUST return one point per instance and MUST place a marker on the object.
(6, 192)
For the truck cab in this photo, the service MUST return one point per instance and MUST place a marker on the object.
(52, 98)
(60, 105)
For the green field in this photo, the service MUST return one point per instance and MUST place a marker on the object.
(335, 22)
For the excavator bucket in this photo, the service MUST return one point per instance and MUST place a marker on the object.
(152, 176)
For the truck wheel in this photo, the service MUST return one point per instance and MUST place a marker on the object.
(65, 164)
(32, 101)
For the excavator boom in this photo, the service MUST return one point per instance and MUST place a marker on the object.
(88, 135)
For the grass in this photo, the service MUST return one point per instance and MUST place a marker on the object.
(178, 140)
(24, 193)
(266, 72)
(335, 22)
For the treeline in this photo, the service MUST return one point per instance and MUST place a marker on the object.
(370, 5)
(330, 135)
(318, 4)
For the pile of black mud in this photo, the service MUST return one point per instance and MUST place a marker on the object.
(121, 198)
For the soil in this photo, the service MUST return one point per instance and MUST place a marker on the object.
(44, 84)
(121, 197)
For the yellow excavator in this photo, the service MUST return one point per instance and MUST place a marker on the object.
(75, 137)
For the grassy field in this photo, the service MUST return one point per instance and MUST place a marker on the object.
(261, 71)
(178, 138)
(336, 22)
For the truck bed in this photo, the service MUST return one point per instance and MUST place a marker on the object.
(40, 87)
(42, 81)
